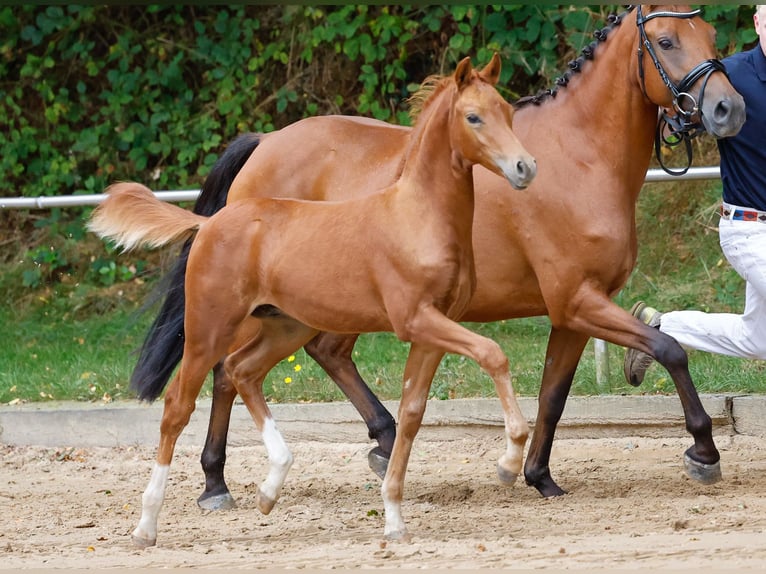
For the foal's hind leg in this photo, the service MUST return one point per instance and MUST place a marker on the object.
(248, 367)
(179, 405)
(333, 353)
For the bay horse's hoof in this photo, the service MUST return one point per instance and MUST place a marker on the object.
(265, 504)
(701, 472)
(506, 477)
(218, 502)
(141, 542)
(378, 462)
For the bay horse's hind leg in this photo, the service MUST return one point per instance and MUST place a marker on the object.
(247, 367)
(333, 353)
(216, 495)
(561, 359)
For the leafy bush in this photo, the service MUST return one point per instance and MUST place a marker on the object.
(93, 94)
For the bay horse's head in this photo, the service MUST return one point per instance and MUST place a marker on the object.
(679, 71)
(481, 125)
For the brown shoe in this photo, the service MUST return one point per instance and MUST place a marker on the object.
(637, 362)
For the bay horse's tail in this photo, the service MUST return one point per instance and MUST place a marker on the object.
(163, 346)
(132, 216)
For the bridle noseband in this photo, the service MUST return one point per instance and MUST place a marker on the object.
(681, 127)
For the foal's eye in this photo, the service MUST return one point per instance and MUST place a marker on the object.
(665, 43)
(473, 119)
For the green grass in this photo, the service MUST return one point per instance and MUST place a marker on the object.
(51, 354)
(70, 341)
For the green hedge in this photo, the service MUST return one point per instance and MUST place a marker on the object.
(89, 94)
(92, 94)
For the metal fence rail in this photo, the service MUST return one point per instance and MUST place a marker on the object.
(600, 346)
(44, 202)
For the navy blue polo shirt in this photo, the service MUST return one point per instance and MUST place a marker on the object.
(743, 157)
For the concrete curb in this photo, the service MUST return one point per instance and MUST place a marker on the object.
(72, 424)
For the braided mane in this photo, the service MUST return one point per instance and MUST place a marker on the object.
(575, 66)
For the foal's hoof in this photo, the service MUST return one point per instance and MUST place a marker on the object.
(506, 477)
(399, 536)
(223, 501)
(265, 504)
(142, 543)
(378, 462)
(701, 472)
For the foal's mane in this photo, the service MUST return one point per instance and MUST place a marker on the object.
(426, 94)
(575, 66)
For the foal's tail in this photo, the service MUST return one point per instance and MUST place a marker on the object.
(163, 346)
(132, 216)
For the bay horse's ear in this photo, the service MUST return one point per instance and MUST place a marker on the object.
(463, 72)
(491, 72)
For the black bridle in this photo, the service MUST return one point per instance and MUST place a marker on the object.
(680, 127)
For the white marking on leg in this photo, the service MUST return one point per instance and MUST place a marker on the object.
(395, 527)
(151, 502)
(280, 459)
(516, 434)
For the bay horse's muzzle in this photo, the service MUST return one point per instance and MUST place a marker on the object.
(723, 117)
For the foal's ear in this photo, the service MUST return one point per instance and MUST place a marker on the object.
(463, 72)
(491, 72)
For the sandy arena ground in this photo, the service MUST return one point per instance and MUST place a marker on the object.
(630, 506)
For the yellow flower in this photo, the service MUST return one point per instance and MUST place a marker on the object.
(288, 380)
(291, 358)
(297, 368)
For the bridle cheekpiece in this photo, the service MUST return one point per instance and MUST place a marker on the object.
(681, 127)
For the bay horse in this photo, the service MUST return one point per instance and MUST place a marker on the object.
(404, 254)
(563, 249)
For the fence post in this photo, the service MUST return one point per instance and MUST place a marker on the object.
(602, 362)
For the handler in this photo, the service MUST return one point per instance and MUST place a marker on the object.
(742, 229)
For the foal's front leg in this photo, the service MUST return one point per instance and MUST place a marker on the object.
(436, 330)
(432, 334)
(418, 373)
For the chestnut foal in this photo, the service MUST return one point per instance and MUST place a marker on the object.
(397, 260)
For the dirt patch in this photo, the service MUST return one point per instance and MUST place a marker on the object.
(630, 505)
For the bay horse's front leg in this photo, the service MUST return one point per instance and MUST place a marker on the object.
(216, 495)
(561, 359)
(333, 352)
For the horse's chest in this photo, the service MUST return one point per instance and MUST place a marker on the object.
(449, 278)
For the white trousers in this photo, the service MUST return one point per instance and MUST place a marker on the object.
(744, 245)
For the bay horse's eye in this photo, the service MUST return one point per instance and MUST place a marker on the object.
(473, 119)
(665, 43)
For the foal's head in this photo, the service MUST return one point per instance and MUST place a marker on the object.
(481, 125)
